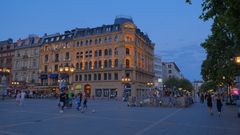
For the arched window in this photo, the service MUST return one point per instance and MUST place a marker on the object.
(81, 65)
(95, 53)
(100, 64)
(110, 52)
(115, 51)
(90, 65)
(77, 66)
(110, 63)
(100, 53)
(86, 65)
(105, 52)
(76, 78)
(116, 63)
(127, 63)
(105, 63)
(90, 41)
(95, 65)
(86, 42)
(127, 51)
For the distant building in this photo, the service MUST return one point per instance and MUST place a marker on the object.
(170, 69)
(158, 72)
(110, 61)
(26, 60)
(197, 85)
(6, 56)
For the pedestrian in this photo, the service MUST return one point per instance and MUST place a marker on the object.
(79, 100)
(219, 104)
(70, 96)
(209, 104)
(22, 97)
(84, 103)
(62, 101)
(202, 98)
(18, 97)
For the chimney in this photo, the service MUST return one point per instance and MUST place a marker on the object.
(19, 42)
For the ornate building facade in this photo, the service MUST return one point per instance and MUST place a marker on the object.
(26, 60)
(111, 61)
(6, 56)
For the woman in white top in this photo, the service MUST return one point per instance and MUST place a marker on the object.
(18, 98)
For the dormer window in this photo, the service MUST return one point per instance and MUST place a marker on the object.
(52, 39)
(63, 37)
(46, 40)
(57, 38)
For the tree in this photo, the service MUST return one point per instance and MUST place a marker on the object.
(223, 42)
(174, 83)
(206, 86)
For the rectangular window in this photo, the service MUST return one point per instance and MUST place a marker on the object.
(85, 77)
(56, 57)
(105, 76)
(106, 92)
(95, 77)
(99, 77)
(46, 58)
(45, 68)
(80, 77)
(76, 78)
(169, 71)
(67, 56)
(115, 76)
(56, 67)
(109, 76)
(89, 77)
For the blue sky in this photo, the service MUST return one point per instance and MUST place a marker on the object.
(172, 25)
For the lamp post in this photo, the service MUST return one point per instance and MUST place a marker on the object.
(67, 70)
(126, 91)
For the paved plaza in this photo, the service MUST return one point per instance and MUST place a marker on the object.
(42, 117)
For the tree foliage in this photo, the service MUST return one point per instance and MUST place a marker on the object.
(206, 86)
(174, 83)
(224, 41)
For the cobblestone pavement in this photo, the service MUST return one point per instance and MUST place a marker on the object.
(42, 117)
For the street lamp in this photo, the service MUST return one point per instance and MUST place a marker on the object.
(65, 69)
(126, 91)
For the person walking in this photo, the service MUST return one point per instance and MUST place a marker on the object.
(22, 98)
(79, 100)
(18, 98)
(84, 104)
(62, 101)
(209, 104)
(202, 98)
(219, 104)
